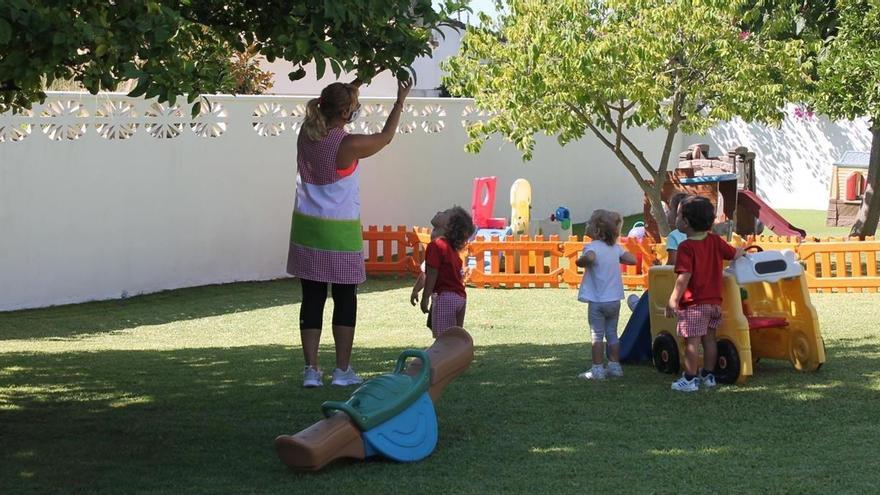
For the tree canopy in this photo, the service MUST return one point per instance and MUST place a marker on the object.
(174, 47)
(848, 87)
(572, 67)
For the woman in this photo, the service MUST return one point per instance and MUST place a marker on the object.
(326, 240)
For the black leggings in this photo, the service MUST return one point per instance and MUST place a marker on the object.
(314, 295)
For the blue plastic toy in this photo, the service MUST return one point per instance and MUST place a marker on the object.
(394, 412)
(635, 342)
(563, 216)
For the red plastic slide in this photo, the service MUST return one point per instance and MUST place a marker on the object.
(768, 216)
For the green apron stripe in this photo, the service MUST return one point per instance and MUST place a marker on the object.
(326, 233)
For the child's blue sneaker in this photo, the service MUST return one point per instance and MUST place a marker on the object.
(685, 385)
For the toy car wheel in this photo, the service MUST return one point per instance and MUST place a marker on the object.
(665, 352)
(728, 366)
(799, 352)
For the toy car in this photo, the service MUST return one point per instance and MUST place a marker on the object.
(766, 313)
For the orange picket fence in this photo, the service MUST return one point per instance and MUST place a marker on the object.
(399, 250)
(841, 266)
(522, 262)
(837, 265)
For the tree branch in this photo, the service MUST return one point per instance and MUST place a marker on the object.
(632, 147)
(627, 163)
(677, 102)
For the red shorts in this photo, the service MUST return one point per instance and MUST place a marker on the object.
(697, 320)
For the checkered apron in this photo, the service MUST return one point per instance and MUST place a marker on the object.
(326, 239)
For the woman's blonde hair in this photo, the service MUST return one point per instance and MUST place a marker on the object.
(335, 100)
(605, 226)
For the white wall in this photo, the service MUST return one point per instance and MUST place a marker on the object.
(793, 162)
(85, 217)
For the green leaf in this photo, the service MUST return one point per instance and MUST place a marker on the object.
(320, 67)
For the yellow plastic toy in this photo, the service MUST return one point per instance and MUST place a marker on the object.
(520, 206)
(777, 320)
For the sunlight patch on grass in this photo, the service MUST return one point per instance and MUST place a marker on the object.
(26, 474)
(200, 364)
(804, 395)
(24, 454)
(703, 451)
(130, 401)
(6, 405)
(554, 450)
(11, 370)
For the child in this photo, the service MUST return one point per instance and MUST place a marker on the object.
(675, 237)
(443, 270)
(439, 224)
(602, 288)
(696, 298)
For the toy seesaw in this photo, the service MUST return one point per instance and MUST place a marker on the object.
(391, 415)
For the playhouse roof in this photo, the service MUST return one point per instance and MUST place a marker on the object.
(853, 159)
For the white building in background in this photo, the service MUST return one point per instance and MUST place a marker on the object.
(428, 72)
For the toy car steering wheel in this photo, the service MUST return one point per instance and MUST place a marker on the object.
(758, 249)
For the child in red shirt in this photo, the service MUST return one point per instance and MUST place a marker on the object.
(696, 299)
(443, 270)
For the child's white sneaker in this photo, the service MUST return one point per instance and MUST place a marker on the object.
(344, 378)
(312, 377)
(685, 385)
(614, 369)
(707, 380)
(594, 373)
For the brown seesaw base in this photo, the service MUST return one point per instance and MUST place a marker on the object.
(337, 437)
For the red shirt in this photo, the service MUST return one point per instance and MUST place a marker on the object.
(441, 256)
(703, 259)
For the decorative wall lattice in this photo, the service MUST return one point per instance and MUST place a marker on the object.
(71, 116)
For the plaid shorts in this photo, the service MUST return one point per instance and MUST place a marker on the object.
(445, 308)
(697, 320)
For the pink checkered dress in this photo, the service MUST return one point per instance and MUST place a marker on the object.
(326, 239)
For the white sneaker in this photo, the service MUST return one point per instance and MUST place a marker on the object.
(685, 385)
(312, 377)
(707, 381)
(345, 378)
(631, 301)
(594, 373)
(614, 369)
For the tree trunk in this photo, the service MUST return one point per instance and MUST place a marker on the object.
(657, 209)
(869, 212)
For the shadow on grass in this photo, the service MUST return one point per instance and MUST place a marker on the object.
(156, 309)
(203, 421)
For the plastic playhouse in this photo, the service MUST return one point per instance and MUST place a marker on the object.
(391, 416)
(729, 183)
(766, 313)
(848, 186)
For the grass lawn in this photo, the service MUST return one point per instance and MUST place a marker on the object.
(184, 392)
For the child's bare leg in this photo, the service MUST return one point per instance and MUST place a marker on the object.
(692, 355)
(598, 353)
(614, 352)
(710, 350)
